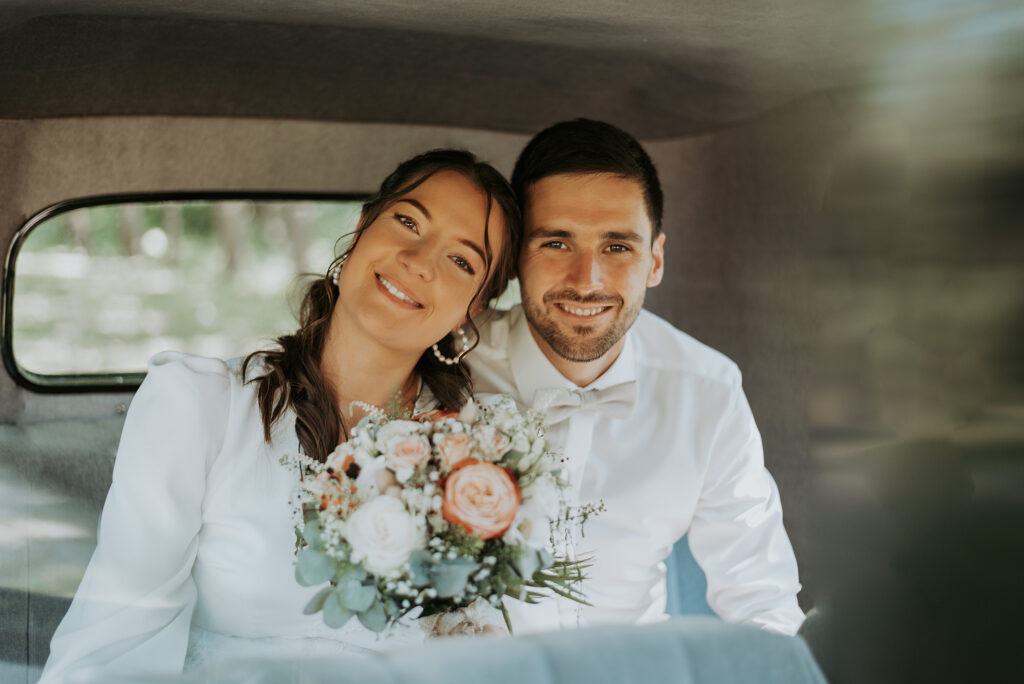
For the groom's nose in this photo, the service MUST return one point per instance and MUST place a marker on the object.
(584, 273)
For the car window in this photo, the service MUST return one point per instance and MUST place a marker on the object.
(99, 289)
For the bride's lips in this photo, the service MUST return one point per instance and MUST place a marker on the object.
(396, 292)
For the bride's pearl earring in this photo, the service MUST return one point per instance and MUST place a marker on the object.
(465, 348)
(335, 271)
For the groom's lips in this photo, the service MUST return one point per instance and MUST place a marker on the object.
(583, 313)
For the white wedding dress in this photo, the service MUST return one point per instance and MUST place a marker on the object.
(194, 563)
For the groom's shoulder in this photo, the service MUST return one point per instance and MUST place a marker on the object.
(494, 326)
(665, 348)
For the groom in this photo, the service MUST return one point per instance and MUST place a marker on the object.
(646, 420)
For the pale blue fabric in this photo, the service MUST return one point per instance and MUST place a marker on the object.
(690, 650)
(687, 585)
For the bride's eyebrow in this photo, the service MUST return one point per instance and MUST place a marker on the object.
(418, 205)
(475, 247)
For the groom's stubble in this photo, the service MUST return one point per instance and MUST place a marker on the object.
(582, 343)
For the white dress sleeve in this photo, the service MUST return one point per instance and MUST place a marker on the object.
(133, 608)
(737, 536)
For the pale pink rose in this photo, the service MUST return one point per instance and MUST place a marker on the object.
(481, 497)
(492, 442)
(453, 448)
(407, 454)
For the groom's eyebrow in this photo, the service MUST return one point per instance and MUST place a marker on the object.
(623, 236)
(550, 233)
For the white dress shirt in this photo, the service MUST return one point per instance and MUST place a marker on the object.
(686, 458)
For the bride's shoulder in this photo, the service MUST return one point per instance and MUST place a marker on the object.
(180, 373)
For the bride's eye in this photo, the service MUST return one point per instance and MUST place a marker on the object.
(407, 222)
(463, 264)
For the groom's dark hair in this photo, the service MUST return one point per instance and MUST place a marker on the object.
(588, 146)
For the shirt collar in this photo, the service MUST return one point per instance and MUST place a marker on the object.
(532, 371)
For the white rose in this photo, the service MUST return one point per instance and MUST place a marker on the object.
(382, 534)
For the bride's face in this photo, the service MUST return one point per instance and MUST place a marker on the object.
(416, 269)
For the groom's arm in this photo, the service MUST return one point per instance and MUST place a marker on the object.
(737, 535)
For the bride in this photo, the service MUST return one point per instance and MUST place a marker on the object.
(195, 554)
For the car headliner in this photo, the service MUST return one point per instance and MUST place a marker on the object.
(661, 68)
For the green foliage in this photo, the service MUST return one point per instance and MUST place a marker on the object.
(311, 534)
(357, 596)
(312, 567)
(448, 576)
(335, 614)
(374, 618)
(316, 604)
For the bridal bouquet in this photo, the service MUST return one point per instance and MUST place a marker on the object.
(435, 513)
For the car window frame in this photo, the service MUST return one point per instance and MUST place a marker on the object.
(79, 383)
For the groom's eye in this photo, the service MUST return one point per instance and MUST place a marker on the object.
(554, 244)
(618, 248)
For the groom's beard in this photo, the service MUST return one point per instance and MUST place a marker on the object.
(580, 343)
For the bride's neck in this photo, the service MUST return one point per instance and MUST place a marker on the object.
(363, 370)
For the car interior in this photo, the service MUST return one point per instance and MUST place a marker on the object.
(843, 219)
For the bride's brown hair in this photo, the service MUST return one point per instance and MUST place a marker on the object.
(291, 373)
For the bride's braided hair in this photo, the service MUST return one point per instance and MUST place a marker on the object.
(292, 377)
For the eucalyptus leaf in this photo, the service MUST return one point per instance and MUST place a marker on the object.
(511, 458)
(309, 514)
(311, 533)
(374, 618)
(356, 572)
(316, 603)
(335, 614)
(356, 596)
(449, 577)
(420, 563)
(313, 567)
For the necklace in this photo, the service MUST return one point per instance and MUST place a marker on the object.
(401, 398)
(370, 409)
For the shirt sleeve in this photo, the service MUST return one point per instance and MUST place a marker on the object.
(737, 536)
(134, 606)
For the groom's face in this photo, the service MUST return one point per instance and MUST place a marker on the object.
(587, 261)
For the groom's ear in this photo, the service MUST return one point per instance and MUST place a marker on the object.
(657, 261)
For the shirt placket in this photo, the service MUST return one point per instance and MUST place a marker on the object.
(578, 442)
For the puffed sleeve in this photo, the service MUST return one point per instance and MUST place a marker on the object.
(133, 608)
(736, 534)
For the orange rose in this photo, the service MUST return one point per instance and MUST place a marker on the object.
(453, 448)
(481, 497)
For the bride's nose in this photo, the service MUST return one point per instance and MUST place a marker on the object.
(418, 260)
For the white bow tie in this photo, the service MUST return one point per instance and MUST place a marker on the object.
(558, 404)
